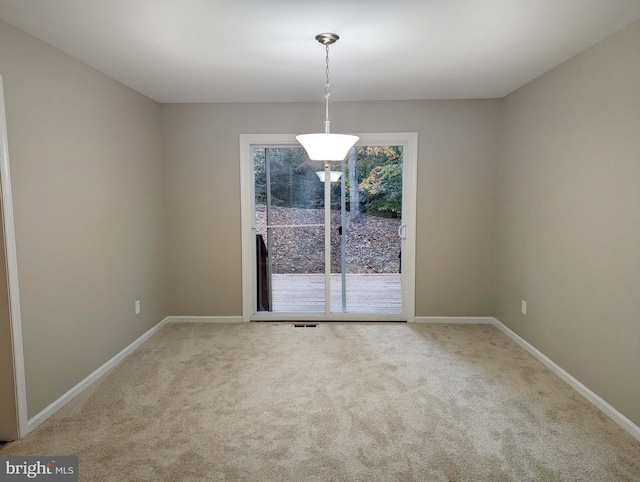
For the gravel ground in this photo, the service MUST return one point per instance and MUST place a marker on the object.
(373, 246)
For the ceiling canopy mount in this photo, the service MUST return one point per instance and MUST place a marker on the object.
(327, 38)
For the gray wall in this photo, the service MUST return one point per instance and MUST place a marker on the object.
(569, 217)
(457, 162)
(86, 166)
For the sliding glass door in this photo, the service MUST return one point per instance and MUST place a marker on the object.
(327, 240)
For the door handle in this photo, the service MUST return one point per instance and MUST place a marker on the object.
(402, 231)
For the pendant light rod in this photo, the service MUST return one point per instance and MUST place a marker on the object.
(327, 94)
(327, 39)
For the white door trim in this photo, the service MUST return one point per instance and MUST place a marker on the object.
(409, 142)
(12, 271)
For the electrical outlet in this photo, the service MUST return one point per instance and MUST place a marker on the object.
(524, 307)
(137, 307)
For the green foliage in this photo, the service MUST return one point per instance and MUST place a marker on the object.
(372, 156)
(381, 191)
(380, 177)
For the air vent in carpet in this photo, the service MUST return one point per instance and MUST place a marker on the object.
(307, 325)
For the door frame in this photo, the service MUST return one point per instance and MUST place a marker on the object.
(12, 272)
(409, 143)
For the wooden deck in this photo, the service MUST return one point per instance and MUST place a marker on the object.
(366, 293)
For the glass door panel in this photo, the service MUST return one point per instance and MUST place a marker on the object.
(289, 222)
(366, 220)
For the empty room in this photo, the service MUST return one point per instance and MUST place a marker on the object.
(341, 241)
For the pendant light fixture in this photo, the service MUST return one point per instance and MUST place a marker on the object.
(334, 176)
(326, 146)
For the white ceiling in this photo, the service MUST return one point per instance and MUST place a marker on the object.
(264, 50)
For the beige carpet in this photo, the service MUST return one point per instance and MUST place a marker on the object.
(342, 402)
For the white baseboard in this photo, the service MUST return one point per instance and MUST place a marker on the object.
(33, 422)
(205, 319)
(459, 320)
(574, 383)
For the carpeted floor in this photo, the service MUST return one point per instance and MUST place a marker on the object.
(341, 402)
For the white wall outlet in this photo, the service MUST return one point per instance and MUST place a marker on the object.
(137, 307)
(524, 307)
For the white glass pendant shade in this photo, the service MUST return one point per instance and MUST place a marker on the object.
(334, 176)
(327, 147)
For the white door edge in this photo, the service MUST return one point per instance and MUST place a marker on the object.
(12, 271)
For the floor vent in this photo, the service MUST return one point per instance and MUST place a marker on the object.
(307, 325)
